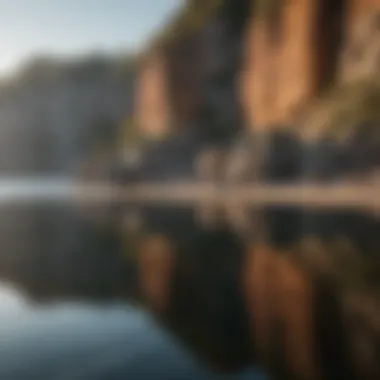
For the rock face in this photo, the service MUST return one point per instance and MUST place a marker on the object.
(297, 54)
(151, 103)
(184, 82)
(360, 56)
(289, 59)
(261, 69)
(189, 87)
(272, 69)
(197, 78)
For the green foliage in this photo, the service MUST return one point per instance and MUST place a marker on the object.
(188, 20)
(130, 134)
(265, 8)
(195, 14)
(347, 106)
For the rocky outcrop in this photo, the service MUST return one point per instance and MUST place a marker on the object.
(307, 94)
(200, 65)
(270, 69)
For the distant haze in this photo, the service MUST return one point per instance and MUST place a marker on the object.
(71, 27)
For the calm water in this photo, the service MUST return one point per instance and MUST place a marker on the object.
(69, 283)
(66, 291)
(78, 341)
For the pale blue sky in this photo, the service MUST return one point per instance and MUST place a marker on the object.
(71, 27)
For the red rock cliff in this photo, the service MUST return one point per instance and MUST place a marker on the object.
(151, 104)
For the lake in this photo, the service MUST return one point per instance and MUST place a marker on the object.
(68, 305)
(101, 290)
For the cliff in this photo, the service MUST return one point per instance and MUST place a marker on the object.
(53, 112)
(199, 58)
(273, 67)
(300, 79)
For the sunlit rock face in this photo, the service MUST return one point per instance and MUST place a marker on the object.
(291, 56)
(151, 97)
(50, 117)
(297, 59)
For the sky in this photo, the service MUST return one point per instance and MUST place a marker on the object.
(71, 27)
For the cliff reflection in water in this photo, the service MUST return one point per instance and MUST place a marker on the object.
(299, 291)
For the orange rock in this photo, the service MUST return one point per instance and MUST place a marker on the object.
(155, 268)
(257, 288)
(294, 302)
(151, 102)
(278, 291)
